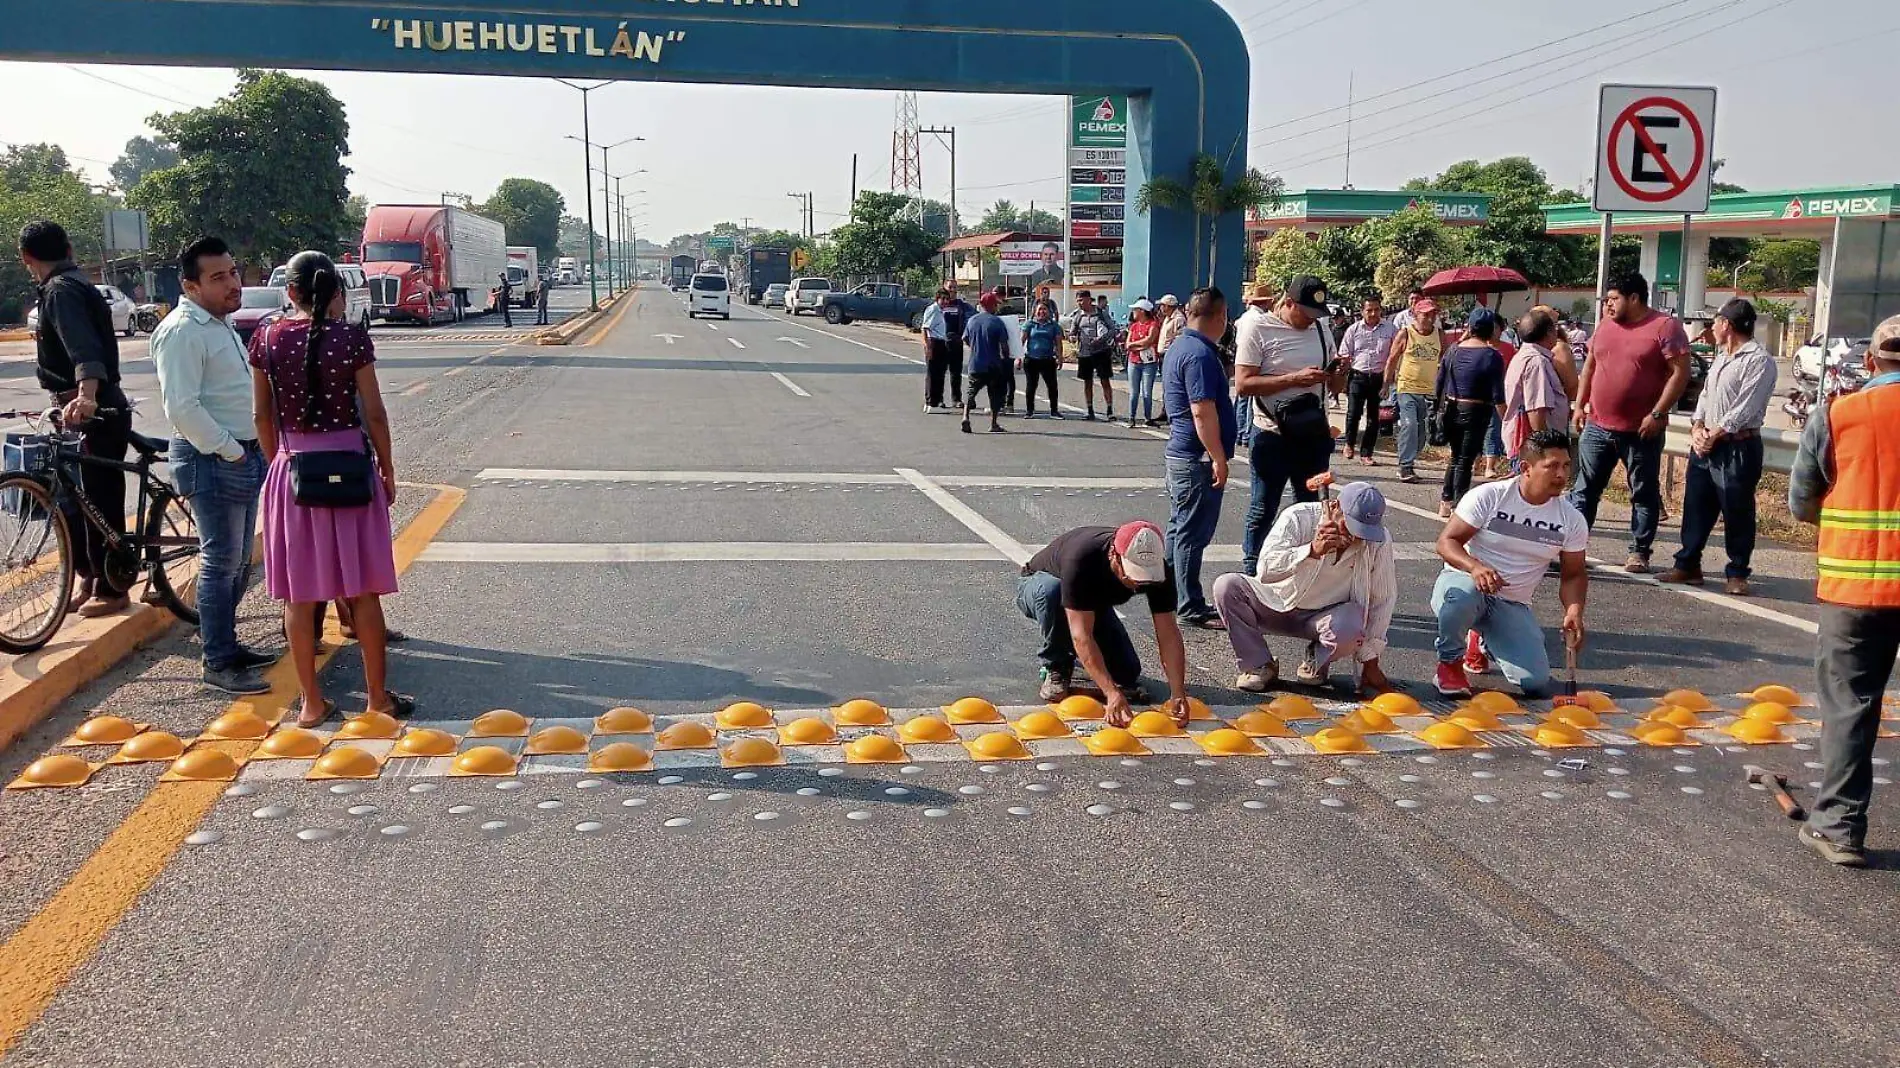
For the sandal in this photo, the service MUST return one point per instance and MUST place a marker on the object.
(401, 706)
(329, 709)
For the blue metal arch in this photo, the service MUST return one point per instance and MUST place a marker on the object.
(1185, 67)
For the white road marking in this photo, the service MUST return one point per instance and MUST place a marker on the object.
(854, 341)
(825, 478)
(712, 326)
(453, 371)
(1036, 482)
(705, 552)
(736, 343)
(794, 341)
(796, 389)
(418, 388)
(968, 516)
(670, 338)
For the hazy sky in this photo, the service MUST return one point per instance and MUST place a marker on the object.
(1804, 95)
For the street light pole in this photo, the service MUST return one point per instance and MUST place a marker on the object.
(587, 182)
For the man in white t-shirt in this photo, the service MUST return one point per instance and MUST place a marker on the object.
(1496, 548)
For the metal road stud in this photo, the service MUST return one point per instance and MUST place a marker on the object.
(481, 760)
(1450, 734)
(1476, 719)
(1154, 725)
(874, 749)
(926, 729)
(1042, 724)
(742, 715)
(1292, 706)
(1770, 712)
(623, 721)
(1661, 734)
(292, 743)
(105, 730)
(1502, 704)
(1577, 716)
(1597, 701)
(808, 731)
(1338, 740)
(60, 769)
(1114, 741)
(347, 762)
(1556, 734)
(997, 745)
(202, 765)
(1693, 700)
(861, 712)
(240, 723)
(424, 742)
(1397, 704)
(1368, 720)
(500, 723)
(1755, 731)
(751, 753)
(1080, 706)
(620, 756)
(685, 734)
(1780, 695)
(556, 739)
(149, 746)
(370, 725)
(972, 710)
(1674, 715)
(1262, 724)
(1226, 741)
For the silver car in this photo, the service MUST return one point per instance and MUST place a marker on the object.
(124, 313)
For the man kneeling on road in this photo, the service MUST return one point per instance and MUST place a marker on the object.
(1326, 575)
(1496, 547)
(1072, 588)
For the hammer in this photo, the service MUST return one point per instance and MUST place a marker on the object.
(1777, 783)
(1322, 484)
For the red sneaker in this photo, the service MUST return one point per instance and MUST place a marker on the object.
(1451, 681)
(1477, 661)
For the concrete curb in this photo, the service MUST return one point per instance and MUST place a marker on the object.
(16, 334)
(565, 333)
(36, 684)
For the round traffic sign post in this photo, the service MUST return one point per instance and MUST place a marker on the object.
(1680, 179)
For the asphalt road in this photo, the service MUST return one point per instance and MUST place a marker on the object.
(690, 513)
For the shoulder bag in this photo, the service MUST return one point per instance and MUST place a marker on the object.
(336, 478)
(1300, 415)
(1435, 432)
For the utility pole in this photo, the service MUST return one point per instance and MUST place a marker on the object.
(951, 132)
(854, 182)
(1348, 182)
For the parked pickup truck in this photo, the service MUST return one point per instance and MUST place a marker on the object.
(881, 302)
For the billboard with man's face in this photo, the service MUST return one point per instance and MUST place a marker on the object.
(1038, 261)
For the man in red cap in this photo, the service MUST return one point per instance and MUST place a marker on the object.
(990, 368)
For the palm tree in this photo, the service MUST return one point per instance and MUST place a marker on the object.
(1210, 196)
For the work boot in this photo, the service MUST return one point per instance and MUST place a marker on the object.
(1737, 587)
(1847, 856)
(235, 680)
(1258, 679)
(1637, 564)
(1054, 687)
(1680, 576)
(1451, 681)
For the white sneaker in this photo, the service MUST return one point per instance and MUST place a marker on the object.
(1258, 681)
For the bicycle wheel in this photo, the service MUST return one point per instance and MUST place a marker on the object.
(36, 564)
(171, 554)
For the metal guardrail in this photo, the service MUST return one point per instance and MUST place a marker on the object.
(1778, 447)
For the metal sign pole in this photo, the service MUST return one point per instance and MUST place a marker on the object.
(1603, 270)
(1682, 285)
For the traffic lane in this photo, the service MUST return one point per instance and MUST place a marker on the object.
(1404, 947)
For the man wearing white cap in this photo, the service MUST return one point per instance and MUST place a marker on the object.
(1072, 589)
(1173, 320)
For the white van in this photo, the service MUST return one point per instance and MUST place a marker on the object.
(357, 305)
(708, 294)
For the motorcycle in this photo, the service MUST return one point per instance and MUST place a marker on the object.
(1839, 377)
(147, 316)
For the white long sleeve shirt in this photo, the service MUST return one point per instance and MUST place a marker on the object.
(1291, 580)
(204, 379)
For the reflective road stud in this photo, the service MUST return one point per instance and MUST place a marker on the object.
(1476, 719)
(1292, 706)
(1397, 704)
(1780, 695)
(1226, 741)
(1450, 734)
(685, 735)
(1336, 740)
(60, 769)
(743, 715)
(202, 765)
(348, 762)
(1755, 731)
(997, 745)
(972, 710)
(623, 721)
(1262, 724)
(1042, 724)
(1114, 741)
(808, 731)
(861, 713)
(620, 756)
(501, 723)
(1661, 734)
(1556, 734)
(104, 730)
(1675, 715)
(1771, 712)
(370, 725)
(1154, 725)
(751, 753)
(1693, 700)
(1502, 704)
(1368, 720)
(150, 746)
(926, 729)
(293, 743)
(1080, 706)
(481, 760)
(874, 749)
(239, 724)
(558, 739)
(1197, 710)
(424, 742)
(1597, 701)
(1577, 716)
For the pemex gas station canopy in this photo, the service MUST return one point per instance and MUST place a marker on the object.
(1808, 213)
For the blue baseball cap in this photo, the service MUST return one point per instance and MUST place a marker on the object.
(1480, 316)
(1363, 508)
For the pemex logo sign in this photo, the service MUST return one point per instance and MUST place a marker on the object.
(1099, 122)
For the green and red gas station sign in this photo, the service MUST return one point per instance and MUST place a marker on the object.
(1778, 211)
(1313, 208)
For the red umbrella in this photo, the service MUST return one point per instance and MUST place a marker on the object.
(1476, 280)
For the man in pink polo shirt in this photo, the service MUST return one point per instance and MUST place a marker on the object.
(1637, 371)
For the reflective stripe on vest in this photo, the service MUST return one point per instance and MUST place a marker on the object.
(1859, 560)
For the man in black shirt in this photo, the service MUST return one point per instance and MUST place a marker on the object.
(505, 300)
(1072, 588)
(79, 367)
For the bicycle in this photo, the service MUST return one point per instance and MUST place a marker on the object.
(39, 505)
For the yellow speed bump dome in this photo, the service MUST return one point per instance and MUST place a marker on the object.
(481, 760)
(1780, 695)
(623, 721)
(874, 749)
(1597, 701)
(1262, 724)
(1197, 709)
(861, 713)
(1368, 720)
(1476, 719)
(240, 724)
(1502, 704)
(685, 734)
(751, 753)
(1450, 734)
(1332, 740)
(1114, 741)
(1292, 706)
(370, 725)
(1693, 700)
(1755, 731)
(60, 769)
(1081, 707)
(558, 739)
(152, 745)
(292, 744)
(424, 742)
(1556, 734)
(926, 729)
(808, 731)
(500, 723)
(1770, 712)
(1675, 716)
(104, 730)
(972, 710)
(1575, 715)
(348, 762)
(1154, 725)
(1662, 734)
(620, 756)
(742, 715)
(1043, 724)
(997, 745)
(202, 765)
(1226, 741)
(1397, 704)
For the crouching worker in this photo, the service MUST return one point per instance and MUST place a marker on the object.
(1496, 548)
(1072, 588)
(1326, 576)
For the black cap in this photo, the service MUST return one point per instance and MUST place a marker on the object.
(1740, 314)
(1308, 292)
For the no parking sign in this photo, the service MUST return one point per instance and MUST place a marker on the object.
(1655, 148)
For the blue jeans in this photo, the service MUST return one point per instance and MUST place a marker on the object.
(1039, 596)
(1141, 389)
(1494, 440)
(223, 496)
(1277, 463)
(1414, 409)
(1509, 629)
(1598, 453)
(1194, 513)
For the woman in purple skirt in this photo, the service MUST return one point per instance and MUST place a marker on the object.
(314, 383)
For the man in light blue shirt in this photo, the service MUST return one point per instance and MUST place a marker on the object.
(204, 378)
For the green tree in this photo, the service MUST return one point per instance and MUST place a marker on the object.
(1781, 265)
(262, 168)
(1005, 217)
(1412, 246)
(1286, 253)
(355, 217)
(1210, 196)
(780, 239)
(1514, 235)
(880, 240)
(141, 156)
(573, 239)
(530, 210)
(38, 182)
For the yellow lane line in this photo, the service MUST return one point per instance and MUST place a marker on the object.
(627, 301)
(41, 957)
